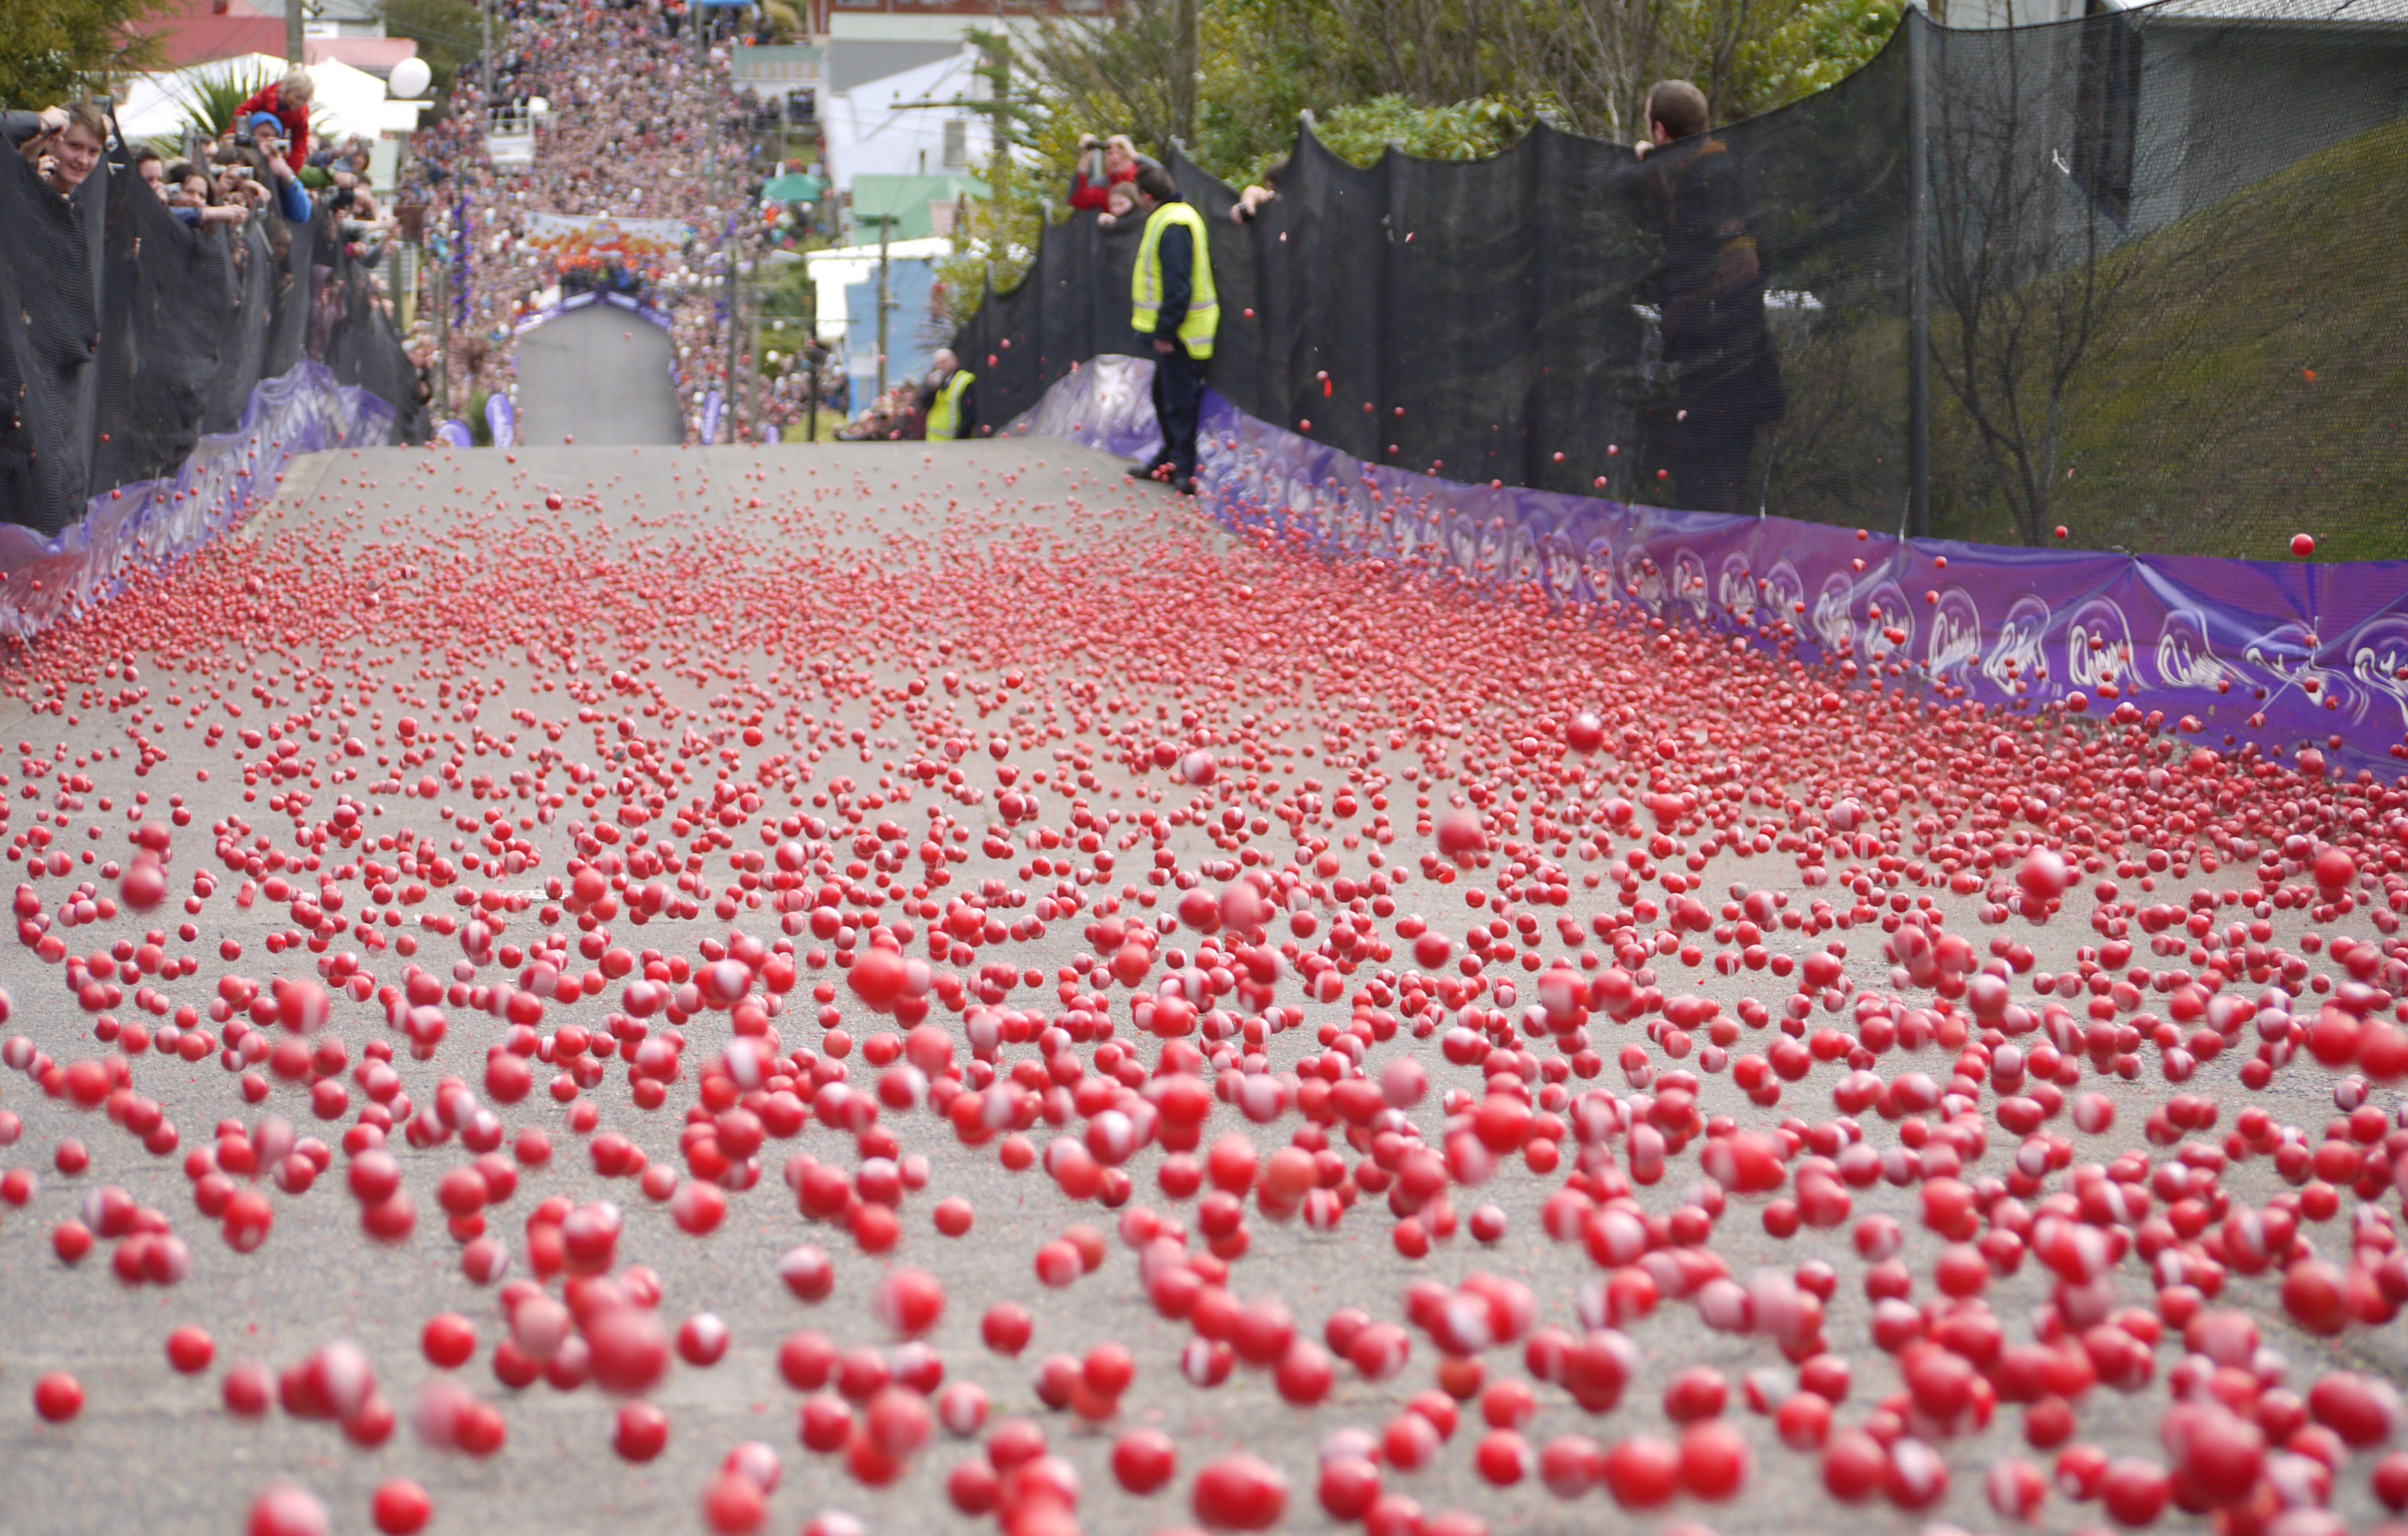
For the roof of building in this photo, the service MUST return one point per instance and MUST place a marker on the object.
(906, 197)
(2321, 13)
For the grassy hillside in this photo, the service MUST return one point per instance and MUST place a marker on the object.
(2253, 385)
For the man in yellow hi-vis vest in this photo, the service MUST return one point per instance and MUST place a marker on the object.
(1176, 307)
(948, 402)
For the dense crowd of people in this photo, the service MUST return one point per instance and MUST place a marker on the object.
(635, 126)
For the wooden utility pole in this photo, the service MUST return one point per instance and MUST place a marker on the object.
(885, 223)
(296, 49)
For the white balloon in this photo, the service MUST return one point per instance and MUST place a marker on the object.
(410, 78)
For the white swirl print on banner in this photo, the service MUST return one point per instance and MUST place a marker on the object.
(2186, 659)
(1833, 624)
(1953, 642)
(1735, 589)
(1689, 583)
(1559, 568)
(1784, 592)
(2098, 648)
(1598, 565)
(1642, 581)
(1521, 556)
(2018, 660)
(2378, 659)
(1889, 622)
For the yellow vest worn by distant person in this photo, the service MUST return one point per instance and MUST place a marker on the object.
(1203, 305)
(945, 412)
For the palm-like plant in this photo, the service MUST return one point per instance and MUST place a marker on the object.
(210, 98)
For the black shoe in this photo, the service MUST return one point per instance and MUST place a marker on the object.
(1184, 487)
(1145, 471)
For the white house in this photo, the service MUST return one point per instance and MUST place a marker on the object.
(908, 123)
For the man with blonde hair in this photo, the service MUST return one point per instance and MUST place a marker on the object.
(62, 143)
(288, 100)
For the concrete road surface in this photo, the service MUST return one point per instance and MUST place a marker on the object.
(848, 610)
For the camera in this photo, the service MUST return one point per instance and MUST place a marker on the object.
(243, 140)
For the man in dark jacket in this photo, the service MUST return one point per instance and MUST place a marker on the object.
(1176, 305)
(1709, 296)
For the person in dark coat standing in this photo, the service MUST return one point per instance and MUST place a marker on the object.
(1688, 190)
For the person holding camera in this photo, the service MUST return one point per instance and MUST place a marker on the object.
(187, 199)
(1101, 167)
(63, 144)
(267, 141)
(288, 101)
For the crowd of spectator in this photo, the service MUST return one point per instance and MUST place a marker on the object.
(633, 126)
(260, 165)
(260, 177)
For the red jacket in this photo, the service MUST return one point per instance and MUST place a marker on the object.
(295, 120)
(1096, 195)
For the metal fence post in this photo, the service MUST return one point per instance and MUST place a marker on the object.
(1918, 275)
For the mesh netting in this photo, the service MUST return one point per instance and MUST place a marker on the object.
(127, 335)
(2158, 302)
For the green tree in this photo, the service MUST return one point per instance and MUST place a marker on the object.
(212, 97)
(1360, 132)
(52, 51)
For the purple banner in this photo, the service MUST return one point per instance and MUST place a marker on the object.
(455, 432)
(2291, 657)
(592, 296)
(714, 406)
(1106, 403)
(502, 421)
(154, 524)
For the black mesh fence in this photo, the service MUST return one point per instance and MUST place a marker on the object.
(2134, 275)
(127, 335)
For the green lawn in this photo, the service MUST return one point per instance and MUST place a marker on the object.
(2255, 388)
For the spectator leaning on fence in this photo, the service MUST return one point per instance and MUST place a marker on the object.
(63, 144)
(1102, 166)
(1175, 304)
(1252, 201)
(291, 199)
(288, 100)
(949, 402)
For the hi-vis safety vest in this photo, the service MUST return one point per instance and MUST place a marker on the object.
(1203, 305)
(945, 412)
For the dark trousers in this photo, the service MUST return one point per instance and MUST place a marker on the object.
(1177, 406)
(1710, 457)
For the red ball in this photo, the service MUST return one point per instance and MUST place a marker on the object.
(642, 1432)
(401, 1508)
(1643, 1471)
(1240, 1493)
(58, 1396)
(1144, 1461)
(190, 1349)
